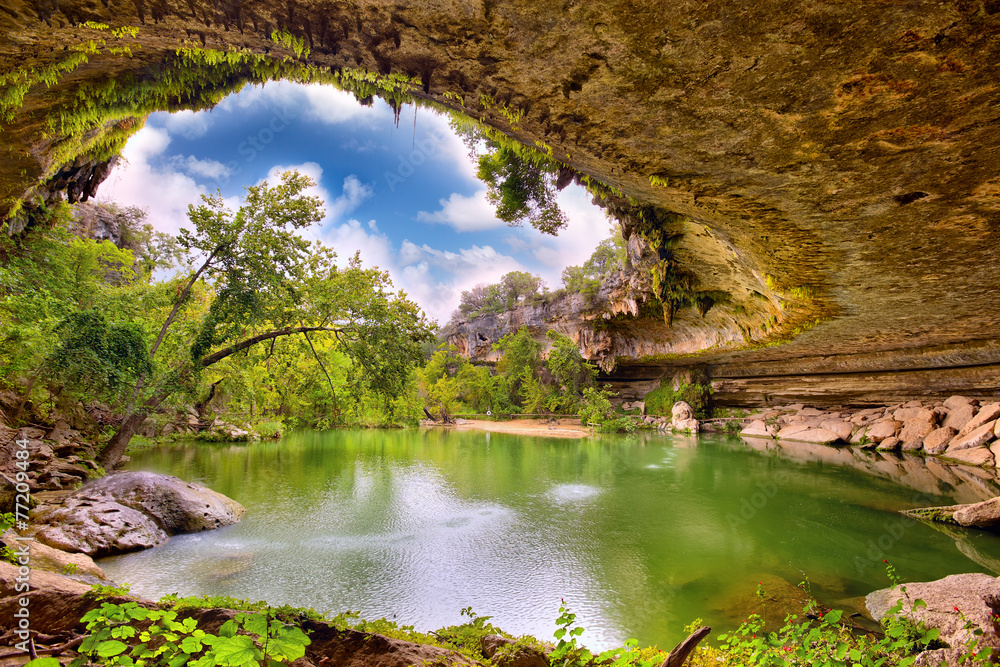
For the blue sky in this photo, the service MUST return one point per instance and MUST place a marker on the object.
(406, 197)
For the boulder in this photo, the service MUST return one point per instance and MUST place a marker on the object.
(953, 402)
(959, 416)
(682, 418)
(76, 566)
(758, 429)
(987, 413)
(906, 414)
(817, 436)
(812, 412)
(95, 527)
(225, 431)
(979, 515)
(838, 426)
(889, 444)
(979, 456)
(916, 428)
(127, 511)
(958, 605)
(877, 431)
(789, 431)
(976, 438)
(936, 442)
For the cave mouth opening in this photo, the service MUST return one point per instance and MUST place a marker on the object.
(399, 185)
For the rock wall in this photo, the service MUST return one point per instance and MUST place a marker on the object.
(835, 161)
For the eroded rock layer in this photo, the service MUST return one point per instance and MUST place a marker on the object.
(838, 159)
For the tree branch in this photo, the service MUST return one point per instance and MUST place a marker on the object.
(216, 357)
(321, 365)
(180, 302)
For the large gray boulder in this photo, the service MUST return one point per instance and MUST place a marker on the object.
(958, 605)
(129, 511)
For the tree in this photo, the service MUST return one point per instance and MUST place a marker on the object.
(568, 367)
(513, 289)
(521, 356)
(520, 181)
(519, 286)
(267, 282)
(609, 256)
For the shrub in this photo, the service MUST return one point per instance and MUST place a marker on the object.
(661, 401)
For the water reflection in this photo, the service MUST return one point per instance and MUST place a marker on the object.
(640, 535)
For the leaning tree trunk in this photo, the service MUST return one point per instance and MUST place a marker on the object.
(115, 449)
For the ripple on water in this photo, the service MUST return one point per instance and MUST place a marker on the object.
(571, 494)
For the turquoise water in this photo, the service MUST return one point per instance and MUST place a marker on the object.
(640, 535)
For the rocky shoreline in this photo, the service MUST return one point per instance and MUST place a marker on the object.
(958, 429)
(106, 516)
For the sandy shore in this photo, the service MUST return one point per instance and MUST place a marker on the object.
(563, 428)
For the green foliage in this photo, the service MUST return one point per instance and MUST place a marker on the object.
(7, 554)
(825, 641)
(661, 400)
(107, 591)
(521, 181)
(97, 357)
(522, 190)
(514, 289)
(285, 613)
(521, 359)
(129, 634)
(291, 42)
(568, 653)
(571, 372)
(596, 407)
(253, 254)
(609, 256)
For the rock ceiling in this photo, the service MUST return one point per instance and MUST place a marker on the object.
(848, 152)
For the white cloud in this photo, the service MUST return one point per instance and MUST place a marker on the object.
(165, 193)
(189, 124)
(354, 194)
(465, 214)
(206, 168)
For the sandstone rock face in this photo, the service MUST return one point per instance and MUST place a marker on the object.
(56, 601)
(817, 155)
(975, 596)
(128, 511)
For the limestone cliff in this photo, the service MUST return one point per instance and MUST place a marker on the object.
(836, 162)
